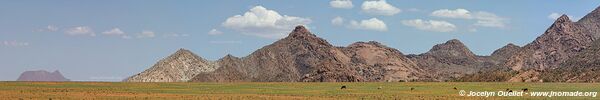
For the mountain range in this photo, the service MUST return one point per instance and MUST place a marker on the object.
(565, 52)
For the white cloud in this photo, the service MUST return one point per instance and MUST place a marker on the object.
(370, 24)
(344, 4)
(114, 31)
(337, 21)
(146, 34)
(380, 7)
(80, 30)
(430, 25)
(214, 32)
(262, 22)
(14, 43)
(487, 19)
(458, 13)
(484, 19)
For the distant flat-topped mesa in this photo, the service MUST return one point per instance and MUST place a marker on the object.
(178, 67)
(42, 75)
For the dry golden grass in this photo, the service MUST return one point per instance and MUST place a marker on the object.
(275, 90)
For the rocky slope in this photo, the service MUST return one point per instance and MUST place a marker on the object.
(502, 54)
(304, 57)
(42, 75)
(583, 67)
(493, 71)
(379, 62)
(178, 67)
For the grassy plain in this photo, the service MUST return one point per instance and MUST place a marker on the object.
(274, 90)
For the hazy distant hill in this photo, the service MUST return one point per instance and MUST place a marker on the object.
(42, 75)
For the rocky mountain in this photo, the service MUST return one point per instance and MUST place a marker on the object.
(560, 42)
(42, 75)
(304, 57)
(449, 61)
(178, 67)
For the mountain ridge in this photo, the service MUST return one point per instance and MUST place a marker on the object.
(305, 57)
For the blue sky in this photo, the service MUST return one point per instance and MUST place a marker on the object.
(107, 40)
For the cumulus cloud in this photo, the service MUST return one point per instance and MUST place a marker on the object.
(337, 21)
(484, 19)
(380, 7)
(146, 34)
(458, 13)
(14, 43)
(262, 22)
(430, 25)
(80, 30)
(114, 31)
(370, 24)
(343, 4)
(214, 32)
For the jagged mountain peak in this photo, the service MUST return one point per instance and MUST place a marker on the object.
(301, 31)
(301, 36)
(183, 51)
(456, 41)
(563, 18)
(229, 57)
